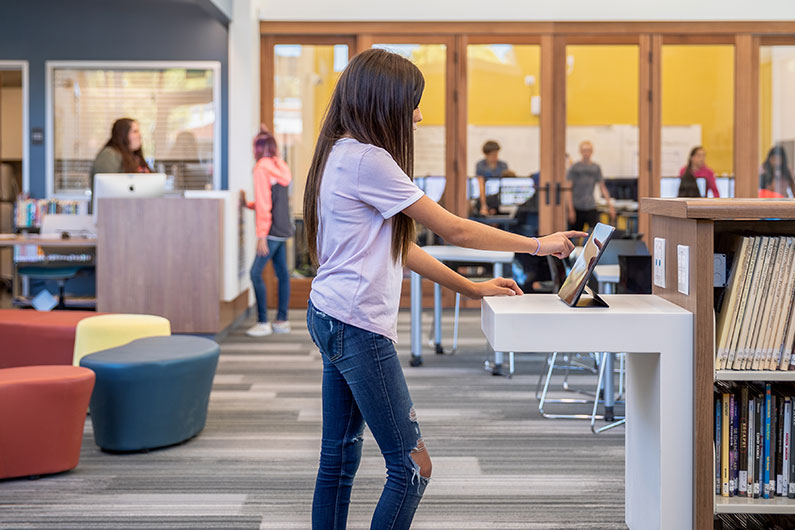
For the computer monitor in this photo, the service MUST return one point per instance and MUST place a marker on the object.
(433, 186)
(473, 187)
(577, 280)
(516, 190)
(127, 185)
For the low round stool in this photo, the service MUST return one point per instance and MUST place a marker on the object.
(152, 392)
(42, 417)
(102, 332)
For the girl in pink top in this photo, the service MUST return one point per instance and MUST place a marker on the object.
(360, 206)
(274, 227)
(696, 168)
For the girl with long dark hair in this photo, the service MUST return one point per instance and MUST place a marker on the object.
(696, 168)
(123, 152)
(360, 205)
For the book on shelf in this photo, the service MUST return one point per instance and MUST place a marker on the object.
(755, 324)
(753, 439)
(30, 212)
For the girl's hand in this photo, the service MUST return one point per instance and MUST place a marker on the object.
(558, 244)
(497, 286)
(262, 246)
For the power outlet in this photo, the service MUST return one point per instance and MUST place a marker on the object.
(683, 268)
(659, 262)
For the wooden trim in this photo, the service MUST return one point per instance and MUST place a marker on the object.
(412, 38)
(459, 204)
(229, 311)
(699, 39)
(777, 40)
(598, 39)
(267, 71)
(364, 41)
(553, 132)
(705, 27)
(746, 116)
(504, 39)
(649, 124)
(720, 209)
(311, 38)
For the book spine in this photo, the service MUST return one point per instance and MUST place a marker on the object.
(742, 474)
(779, 445)
(791, 421)
(766, 478)
(760, 444)
(786, 446)
(718, 428)
(724, 446)
(773, 441)
(751, 447)
(732, 445)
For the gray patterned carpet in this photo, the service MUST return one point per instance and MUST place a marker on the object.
(496, 463)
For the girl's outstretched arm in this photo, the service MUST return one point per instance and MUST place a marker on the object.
(471, 234)
(429, 267)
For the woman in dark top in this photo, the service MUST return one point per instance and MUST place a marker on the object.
(776, 175)
(122, 153)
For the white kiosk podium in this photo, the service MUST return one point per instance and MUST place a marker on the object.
(658, 338)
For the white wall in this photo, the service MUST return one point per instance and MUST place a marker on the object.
(528, 10)
(783, 103)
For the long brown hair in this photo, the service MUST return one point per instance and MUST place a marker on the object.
(374, 103)
(131, 161)
(688, 187)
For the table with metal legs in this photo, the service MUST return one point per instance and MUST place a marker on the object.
(448, 253)
(607, 276)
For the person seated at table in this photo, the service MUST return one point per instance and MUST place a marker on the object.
(490, 167)
(696, 168)
(775, 178)
(122, 153)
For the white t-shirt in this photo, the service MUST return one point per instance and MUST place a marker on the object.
(357, 281)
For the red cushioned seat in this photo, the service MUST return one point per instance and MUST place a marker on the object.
(42, 415)
(29, 338)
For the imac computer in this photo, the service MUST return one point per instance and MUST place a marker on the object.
(127, 185)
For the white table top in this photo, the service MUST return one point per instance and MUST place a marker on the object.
(607, 273)
(452, 253)
(542, 322)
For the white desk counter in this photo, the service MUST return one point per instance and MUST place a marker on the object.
(658, 336)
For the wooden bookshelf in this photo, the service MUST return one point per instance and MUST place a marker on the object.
(699, 224)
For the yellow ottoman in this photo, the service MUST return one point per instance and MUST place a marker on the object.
(102, 332)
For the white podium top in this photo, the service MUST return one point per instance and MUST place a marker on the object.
(451, 253)
(543, 323)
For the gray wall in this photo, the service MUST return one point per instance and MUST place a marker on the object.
(109, 30)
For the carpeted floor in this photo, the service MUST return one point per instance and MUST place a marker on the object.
(496, 463)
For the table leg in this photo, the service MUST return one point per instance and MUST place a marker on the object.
(437, 317)
(498, 355)
(416, 319)
(610, 398)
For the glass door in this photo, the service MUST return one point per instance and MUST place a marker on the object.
(776, 121)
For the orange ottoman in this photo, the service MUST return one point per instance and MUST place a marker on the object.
(29, 337)
(42, 414)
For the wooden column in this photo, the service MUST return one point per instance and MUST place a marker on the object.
(456, 134)
(649, 124)
(267, 71)
(364, 41)
(746, 115)
(553, 132)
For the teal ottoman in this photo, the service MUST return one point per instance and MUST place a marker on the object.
(151, 392)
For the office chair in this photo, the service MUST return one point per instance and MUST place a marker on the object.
(51, 224)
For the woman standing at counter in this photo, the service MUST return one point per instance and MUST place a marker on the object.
(122, 153)
(274, 227)
(696, 168)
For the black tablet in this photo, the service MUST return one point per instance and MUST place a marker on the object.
(577, 280)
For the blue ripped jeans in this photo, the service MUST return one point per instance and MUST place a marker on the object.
(363, 382)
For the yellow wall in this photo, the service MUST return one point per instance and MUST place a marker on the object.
(601, 89)
(698, 88)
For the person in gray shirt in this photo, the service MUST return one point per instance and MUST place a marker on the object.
(584, 175)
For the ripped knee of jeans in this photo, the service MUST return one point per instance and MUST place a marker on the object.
(418, 458)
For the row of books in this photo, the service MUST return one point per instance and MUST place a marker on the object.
(753, 440)
(29, 212)
(755, 321)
